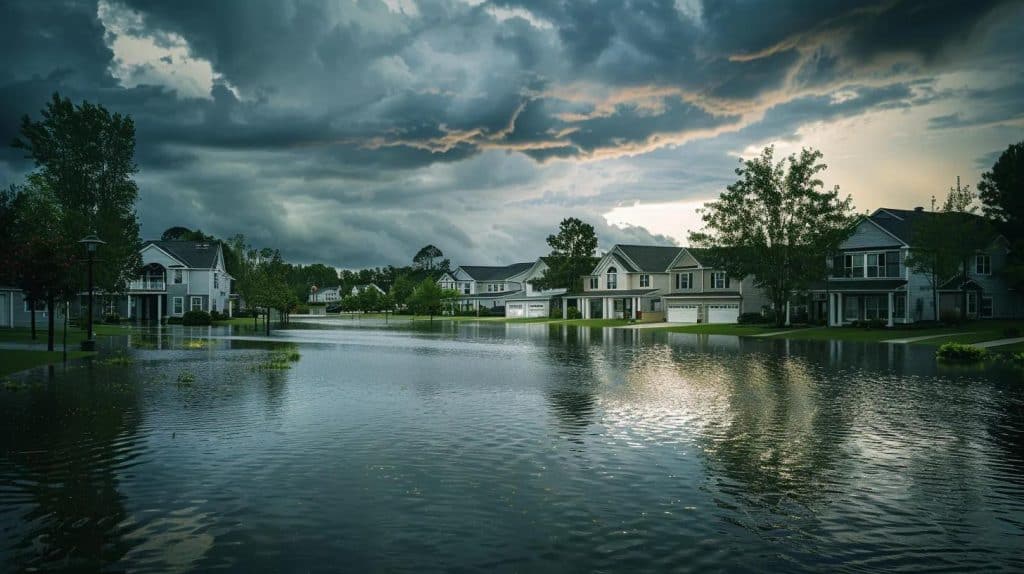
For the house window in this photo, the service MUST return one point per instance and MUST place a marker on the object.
(645, 280)
(876, 264)
(900, 304)
(876, 307)
(179, 276)
(216, 280)
(892, 263)
(465, 288)
(178, 305)
(719, 280)
(982, 264)
(110, 306)
(853, 265)
(986, 307)
(593, 282)
(612, 278)
(196, 304)
(972, 303)
(684, 281)
(501, 287)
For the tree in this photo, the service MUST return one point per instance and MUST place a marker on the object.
(571, 257)
(777, 224)
(944, 242)
(428, 298)
(401, 290)
(368, 300)
(427, 258)
(1001, 191)
(85, 157)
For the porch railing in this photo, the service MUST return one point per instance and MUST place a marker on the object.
(148, 284)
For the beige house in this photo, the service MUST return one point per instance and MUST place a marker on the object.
(700, 293)
(628, 283)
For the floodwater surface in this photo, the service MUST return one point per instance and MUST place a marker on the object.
(509, 448)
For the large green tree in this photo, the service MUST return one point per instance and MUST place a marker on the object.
(1001, 191)
(777, 223)
(85, 157)
(572, 256)
(944, 243)
(428, 298)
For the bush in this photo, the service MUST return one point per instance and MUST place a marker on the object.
(1011, 332)
(112, 318)
(960, 353)
(574, 313)
(174, 320)
(218, 316)
(875, 323)
(300, 309)
(752, 318)
(195, 318)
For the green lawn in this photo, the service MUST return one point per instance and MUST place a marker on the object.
(723, 329)
(12, 361)
(975, 332)
(75, 335)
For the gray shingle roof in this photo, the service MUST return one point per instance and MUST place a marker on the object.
(490, 273)
(650, 258)
(195, 254)
(902, 225)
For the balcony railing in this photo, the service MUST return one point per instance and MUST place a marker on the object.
(148, 284)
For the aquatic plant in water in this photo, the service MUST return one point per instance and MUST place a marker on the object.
(186, 378)
(960, 353)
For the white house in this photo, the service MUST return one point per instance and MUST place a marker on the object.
(357, 289)
(699, 293)
(628, 283)
(486, 286)
(530, 301)
(325, 295)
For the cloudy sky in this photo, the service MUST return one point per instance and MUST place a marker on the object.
(354, 132)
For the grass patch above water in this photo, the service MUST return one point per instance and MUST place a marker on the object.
(960, 353)
(13, 361)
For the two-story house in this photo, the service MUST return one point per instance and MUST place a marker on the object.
(531, 301)
(176, 277)
(358, 289)
(485, 286)
(700, 293)
(628, 283)
(869, 279)
(325, 295)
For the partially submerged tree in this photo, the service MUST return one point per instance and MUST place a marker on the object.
(777, 223)
(572, 256)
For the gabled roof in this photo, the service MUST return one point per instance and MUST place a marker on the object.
(649, 258)
(194, 254)
(900, 222)
(490, 273)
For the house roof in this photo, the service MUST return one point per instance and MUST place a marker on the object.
(650, 258)
(900, 222)
(839, 285)
(490, 273)
(195, 254)
(492, 295)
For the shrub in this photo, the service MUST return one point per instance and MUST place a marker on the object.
(112, 318)
(960, 353)
(574, 313)
(300, 309)
(752, 318)
(555, 312)
(875, 323)
(484, 312)
(1011, 332)
(174, 320)
(218, 316)
(195, 318)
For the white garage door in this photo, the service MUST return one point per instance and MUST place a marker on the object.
(723, 313)
(536, 310)
(514, 310)
(682, 313)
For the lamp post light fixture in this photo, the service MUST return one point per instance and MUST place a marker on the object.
(91, 243)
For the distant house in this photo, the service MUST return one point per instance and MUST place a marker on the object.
(530, 301)
(325, 295)
(358, 289)
(486, 286)
(869, 279)
(176, 277)
(15, 311)
(700, 293)
(628, 283)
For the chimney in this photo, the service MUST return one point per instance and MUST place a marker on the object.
(919, 209)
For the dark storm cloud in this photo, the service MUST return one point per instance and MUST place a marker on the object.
(383, 130)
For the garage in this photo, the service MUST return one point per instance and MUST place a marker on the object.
(515, 310)
(723, 313)
(537, 310)
(682, 313)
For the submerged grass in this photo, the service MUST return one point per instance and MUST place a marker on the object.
(280, 360)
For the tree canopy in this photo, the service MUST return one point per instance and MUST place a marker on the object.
(572, 256)
(776, 223)
(1001, 191)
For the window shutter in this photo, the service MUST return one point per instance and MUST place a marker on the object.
(892, 263)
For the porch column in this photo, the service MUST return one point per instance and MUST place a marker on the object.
(565, 308)
(889, 322)
(787, 314)
(636, 305)
(839, 309)
(830, 307)
(159, 309)
(129, 307)
(231, 308)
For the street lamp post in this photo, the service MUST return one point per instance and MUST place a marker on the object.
(90, 242)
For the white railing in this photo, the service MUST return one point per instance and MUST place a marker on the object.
(148, 284)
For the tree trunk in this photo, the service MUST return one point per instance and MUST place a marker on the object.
(49, 322)
(32, 306)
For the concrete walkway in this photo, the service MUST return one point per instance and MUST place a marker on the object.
(1000, 342)
(773, 333)
(924, 338)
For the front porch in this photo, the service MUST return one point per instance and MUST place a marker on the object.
(617, 305)
(845, 308)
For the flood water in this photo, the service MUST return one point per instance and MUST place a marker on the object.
(510, 448)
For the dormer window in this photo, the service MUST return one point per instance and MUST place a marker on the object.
(645, 280)
(612, 278)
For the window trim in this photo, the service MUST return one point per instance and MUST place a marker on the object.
(611, 278)
(193, 301)
(594, 283)
(714, 279)
(689, 281)
(978, 258)
(645, 280)
(177, 305)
